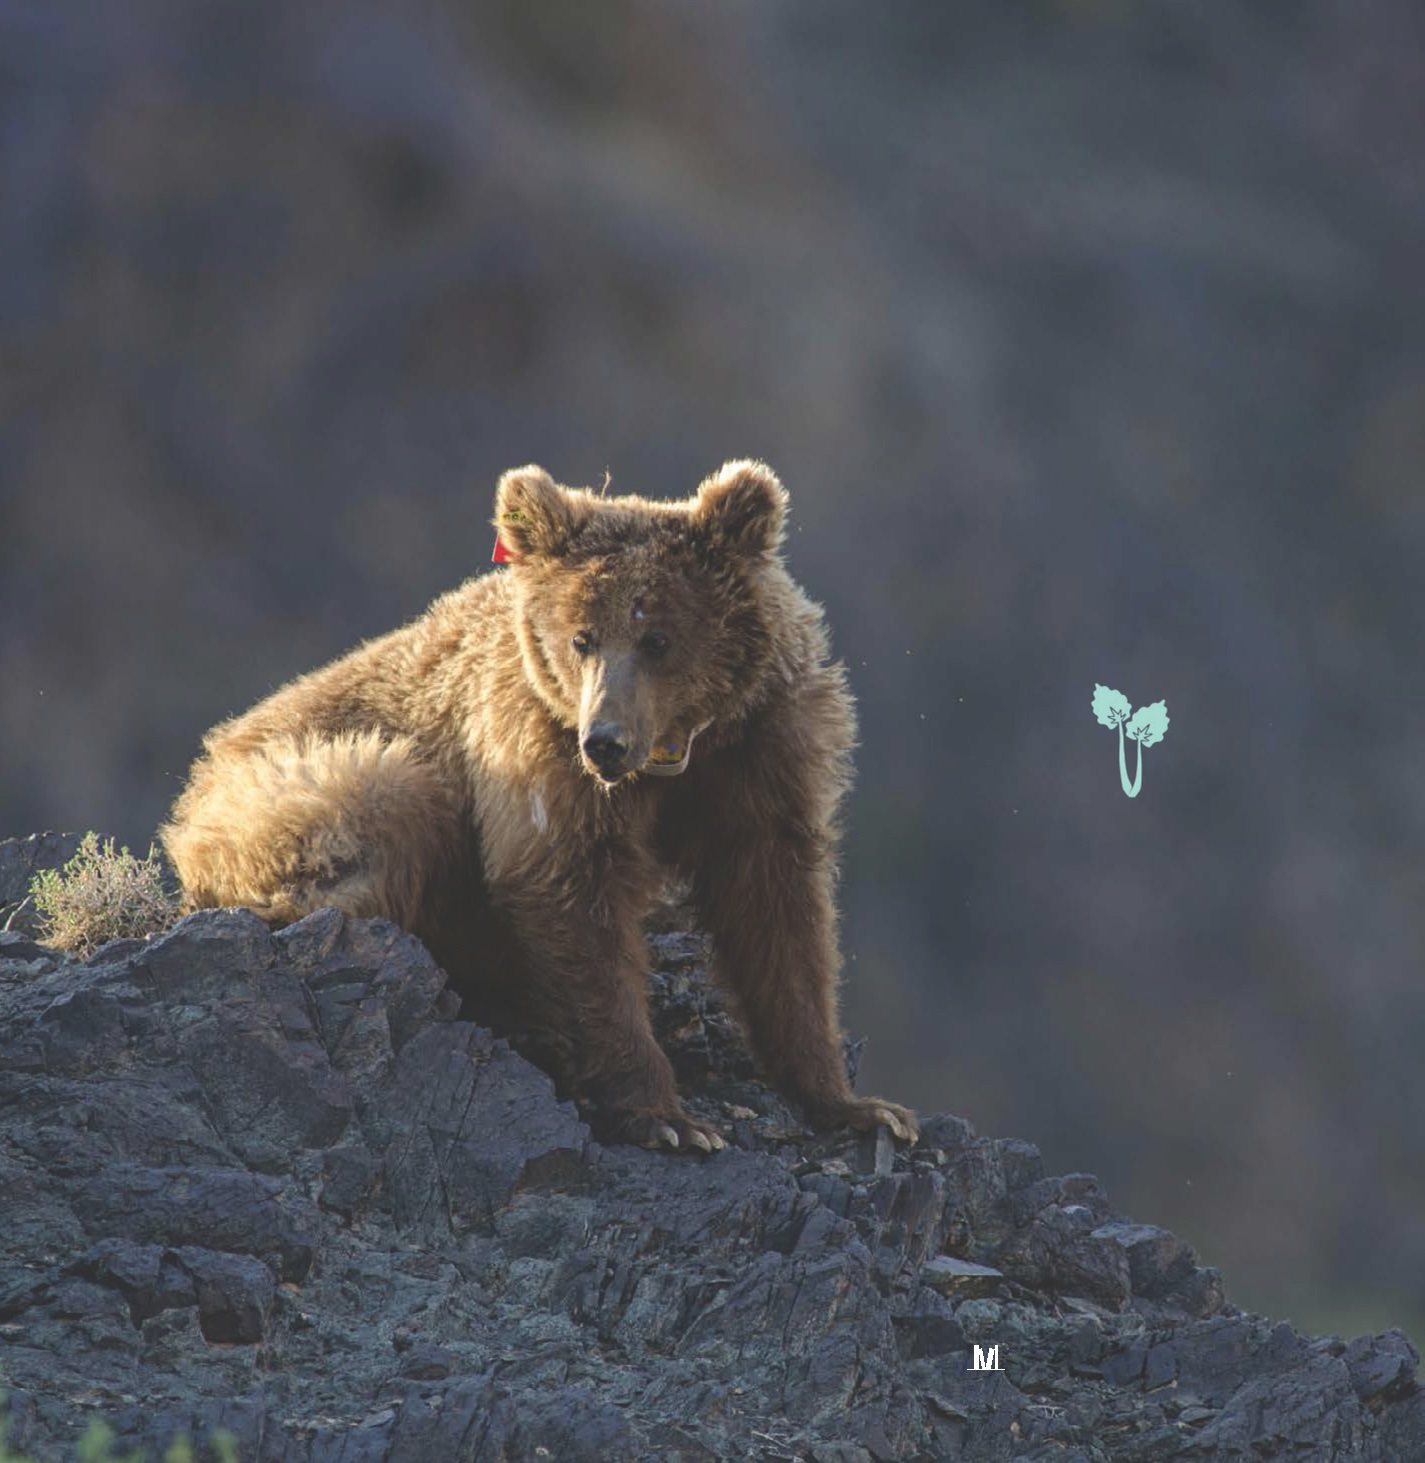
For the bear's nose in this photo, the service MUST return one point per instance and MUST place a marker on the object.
(605, 746)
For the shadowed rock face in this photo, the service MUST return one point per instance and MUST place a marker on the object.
(20, 860)
(268, 1182)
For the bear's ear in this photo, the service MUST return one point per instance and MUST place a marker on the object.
(742, 506)
(535, 517)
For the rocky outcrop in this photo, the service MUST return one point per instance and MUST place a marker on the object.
(270, 1183)
(20, 860)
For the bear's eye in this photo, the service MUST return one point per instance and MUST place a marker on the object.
(583, 642)
(655, 642)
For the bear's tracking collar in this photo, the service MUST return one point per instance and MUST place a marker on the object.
(670, 756)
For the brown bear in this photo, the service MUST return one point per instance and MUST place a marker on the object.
(642, 692)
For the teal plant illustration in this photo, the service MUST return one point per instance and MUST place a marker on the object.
(1147, 726)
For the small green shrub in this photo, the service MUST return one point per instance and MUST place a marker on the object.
(102, 895)
(97, 1445)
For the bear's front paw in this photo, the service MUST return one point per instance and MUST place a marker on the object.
(865, 1113)
(667, 1130)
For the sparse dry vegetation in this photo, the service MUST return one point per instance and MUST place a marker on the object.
(102, 894)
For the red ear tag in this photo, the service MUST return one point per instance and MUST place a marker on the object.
(501, 555)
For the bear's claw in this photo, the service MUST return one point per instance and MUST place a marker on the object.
(865, 1113)
(676, 1133)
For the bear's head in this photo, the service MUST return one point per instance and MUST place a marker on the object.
(640, 622)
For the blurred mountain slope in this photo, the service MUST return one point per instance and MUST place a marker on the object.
(1090, 341)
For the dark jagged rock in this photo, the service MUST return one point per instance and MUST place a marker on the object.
(269, 1183)
(20, 860)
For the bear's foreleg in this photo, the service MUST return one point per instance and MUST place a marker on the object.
(766, 901)
(583, 989)
(759, 839)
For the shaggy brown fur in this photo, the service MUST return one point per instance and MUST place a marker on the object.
(482, 777)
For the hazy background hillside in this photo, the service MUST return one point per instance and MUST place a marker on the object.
(1090, 340)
